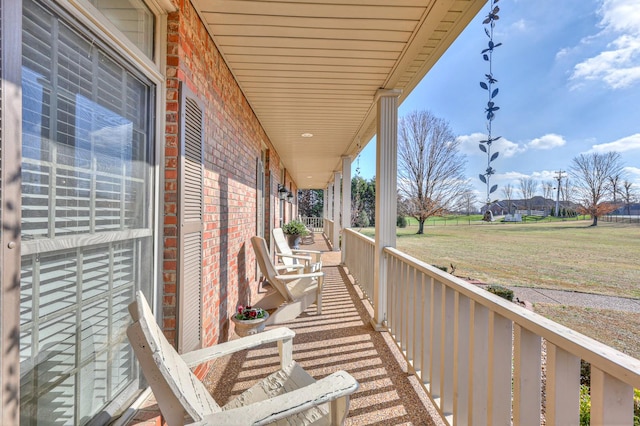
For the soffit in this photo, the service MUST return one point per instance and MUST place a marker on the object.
(309, 66)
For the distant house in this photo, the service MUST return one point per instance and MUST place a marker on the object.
(632, 209)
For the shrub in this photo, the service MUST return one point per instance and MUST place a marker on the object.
(503, 292)
(585, 406)
(636, 407)
(295, 227)
(401, 222)
(442, 268)
(585, 373)
(362, 220)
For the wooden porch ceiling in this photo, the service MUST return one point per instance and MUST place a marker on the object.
(314, 66)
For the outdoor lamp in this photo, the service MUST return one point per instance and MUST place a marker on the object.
(290, 197)
(282, 192)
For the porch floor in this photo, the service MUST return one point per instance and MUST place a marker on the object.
(339, 339)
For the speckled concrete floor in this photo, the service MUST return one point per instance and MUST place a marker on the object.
(339, 339)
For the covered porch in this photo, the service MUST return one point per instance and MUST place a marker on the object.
(445, 353)
(341, 338)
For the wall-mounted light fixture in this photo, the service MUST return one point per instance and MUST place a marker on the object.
(290, 197)
(282, 192)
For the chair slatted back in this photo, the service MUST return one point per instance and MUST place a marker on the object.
(175, 387)
(267, 268)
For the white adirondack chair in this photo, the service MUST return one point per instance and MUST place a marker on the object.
(288, 396)
(292, 293)
(311, 259)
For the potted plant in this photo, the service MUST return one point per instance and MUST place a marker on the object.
(294, 231)
(249, 320)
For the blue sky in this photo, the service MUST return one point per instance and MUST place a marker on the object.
(569, 78)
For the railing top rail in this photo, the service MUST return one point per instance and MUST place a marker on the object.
(359, 235)
(605, 358)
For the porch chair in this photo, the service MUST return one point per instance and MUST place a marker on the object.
(289, 395)
(312, 259)
(292, 293)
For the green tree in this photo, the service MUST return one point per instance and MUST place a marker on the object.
(363, 201)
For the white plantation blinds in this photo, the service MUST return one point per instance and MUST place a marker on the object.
(87, 245)
(191, 174)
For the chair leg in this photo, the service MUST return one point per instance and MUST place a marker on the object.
(338, 409)
(319, 296)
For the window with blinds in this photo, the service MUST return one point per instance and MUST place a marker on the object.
(87, 189)
(190, 212)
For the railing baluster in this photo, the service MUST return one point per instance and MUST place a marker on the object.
(461, 354)
(611, 400)
(427, 294)
(419, 329)
(479, 376)
(448, 301)
(562, 387)
(437, 327)
(527, 377)
(392, 298)
(499, 369)
(410, 315)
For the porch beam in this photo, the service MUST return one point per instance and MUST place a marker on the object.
(336, 211)
(386, 195)
(346, 198)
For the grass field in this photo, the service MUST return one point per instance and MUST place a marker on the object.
(567, 255)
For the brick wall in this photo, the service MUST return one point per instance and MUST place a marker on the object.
(233, 142)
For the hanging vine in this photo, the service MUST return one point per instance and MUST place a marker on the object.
(490, 86)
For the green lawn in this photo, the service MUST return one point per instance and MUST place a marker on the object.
(568, 255)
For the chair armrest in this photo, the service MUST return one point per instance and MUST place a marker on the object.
(281, 334)
(306, 251)
(298, 276)
(332, 387)
(294, 256)
(294, 266)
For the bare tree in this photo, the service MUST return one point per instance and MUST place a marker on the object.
(567, 192)
(430, 166)
(592, 173)
(628, 195)
(614, 181)
(507, 191)
(528, 187)
(547, 192)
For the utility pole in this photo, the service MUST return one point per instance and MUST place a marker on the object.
(559, 179)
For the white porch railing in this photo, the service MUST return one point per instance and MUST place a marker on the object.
(479, 357)
(328, 229)
(313, 223)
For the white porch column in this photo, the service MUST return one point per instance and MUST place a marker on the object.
(325, 198)
(330, 201)
(336, 211)
(386, 195)
(346, 198)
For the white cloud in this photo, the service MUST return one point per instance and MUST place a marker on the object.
(469, 145)
(619, 65)
(628, 143)
(548, 141)
(634, 171)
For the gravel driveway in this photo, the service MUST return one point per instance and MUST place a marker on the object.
(574, 298)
